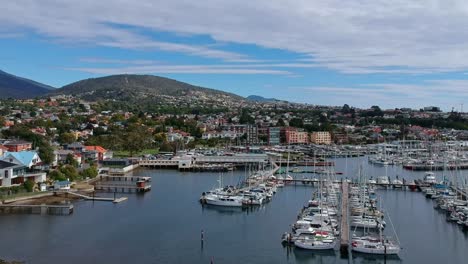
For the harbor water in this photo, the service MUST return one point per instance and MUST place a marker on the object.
(166, 224)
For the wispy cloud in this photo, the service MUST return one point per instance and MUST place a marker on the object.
(355, 36)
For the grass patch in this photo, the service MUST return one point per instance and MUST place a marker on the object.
(125, 153)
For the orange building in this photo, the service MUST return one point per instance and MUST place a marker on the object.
(100, 150)
(296, 137)
(18, 145)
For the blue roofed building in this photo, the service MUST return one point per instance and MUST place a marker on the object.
(25, 158)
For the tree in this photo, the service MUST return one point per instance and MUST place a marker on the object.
(281, 122)
(66, 138)
(246, 118)
(345, 109)
(296, 122)
(57, 175)
(90, 172)
(70, 160)
(29, 185)
(136, 138)
(70, 172)
(46, 153)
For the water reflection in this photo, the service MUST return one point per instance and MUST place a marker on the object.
(375, 259)
(314, 256)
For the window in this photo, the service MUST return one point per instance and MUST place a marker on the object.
(6, 173)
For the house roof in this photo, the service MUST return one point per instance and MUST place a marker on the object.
(63, 152)
(25, 157)
(75, 145)
(96, 148)
(16, 142)
(4, 164)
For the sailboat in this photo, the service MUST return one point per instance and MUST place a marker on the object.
(222, 196)
(320, 239)
(377, 245)
(288, 177)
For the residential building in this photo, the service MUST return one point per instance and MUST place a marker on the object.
(77, 147)
(321, 137)
(9, 173)
(297, 137)
(252, 134)
(101, 152)
(274, 136)
(28, 159)
(18, 145)
(237, 129)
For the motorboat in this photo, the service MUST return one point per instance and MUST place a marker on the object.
(429, 178)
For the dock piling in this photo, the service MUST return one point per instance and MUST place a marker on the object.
(344, 245)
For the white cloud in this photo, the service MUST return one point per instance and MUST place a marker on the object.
(353, 36)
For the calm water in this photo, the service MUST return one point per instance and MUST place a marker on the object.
(164, 226)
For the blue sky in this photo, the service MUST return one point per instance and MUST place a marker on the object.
(362, 52)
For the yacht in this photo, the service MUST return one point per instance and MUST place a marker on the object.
(429, 178)
(397, 183)
(378, 246)
(383, 180)
(223, 200)
(317, 241)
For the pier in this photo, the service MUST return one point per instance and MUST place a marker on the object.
(344, 243)
(93, 198)
(36, 209)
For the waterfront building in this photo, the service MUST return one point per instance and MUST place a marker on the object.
(321, 137)
(25, 158)
(14, 174)
(274, 136)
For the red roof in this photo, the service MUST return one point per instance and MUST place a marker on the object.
(96, 148)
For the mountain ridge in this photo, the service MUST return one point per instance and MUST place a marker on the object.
(258, 98)
(17, 87)
(131, 86)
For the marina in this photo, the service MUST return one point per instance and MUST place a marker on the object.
(249, 231)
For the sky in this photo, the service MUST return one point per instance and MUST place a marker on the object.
(399, 53)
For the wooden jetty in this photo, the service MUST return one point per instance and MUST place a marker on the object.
(43, 209)
(344, 243)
